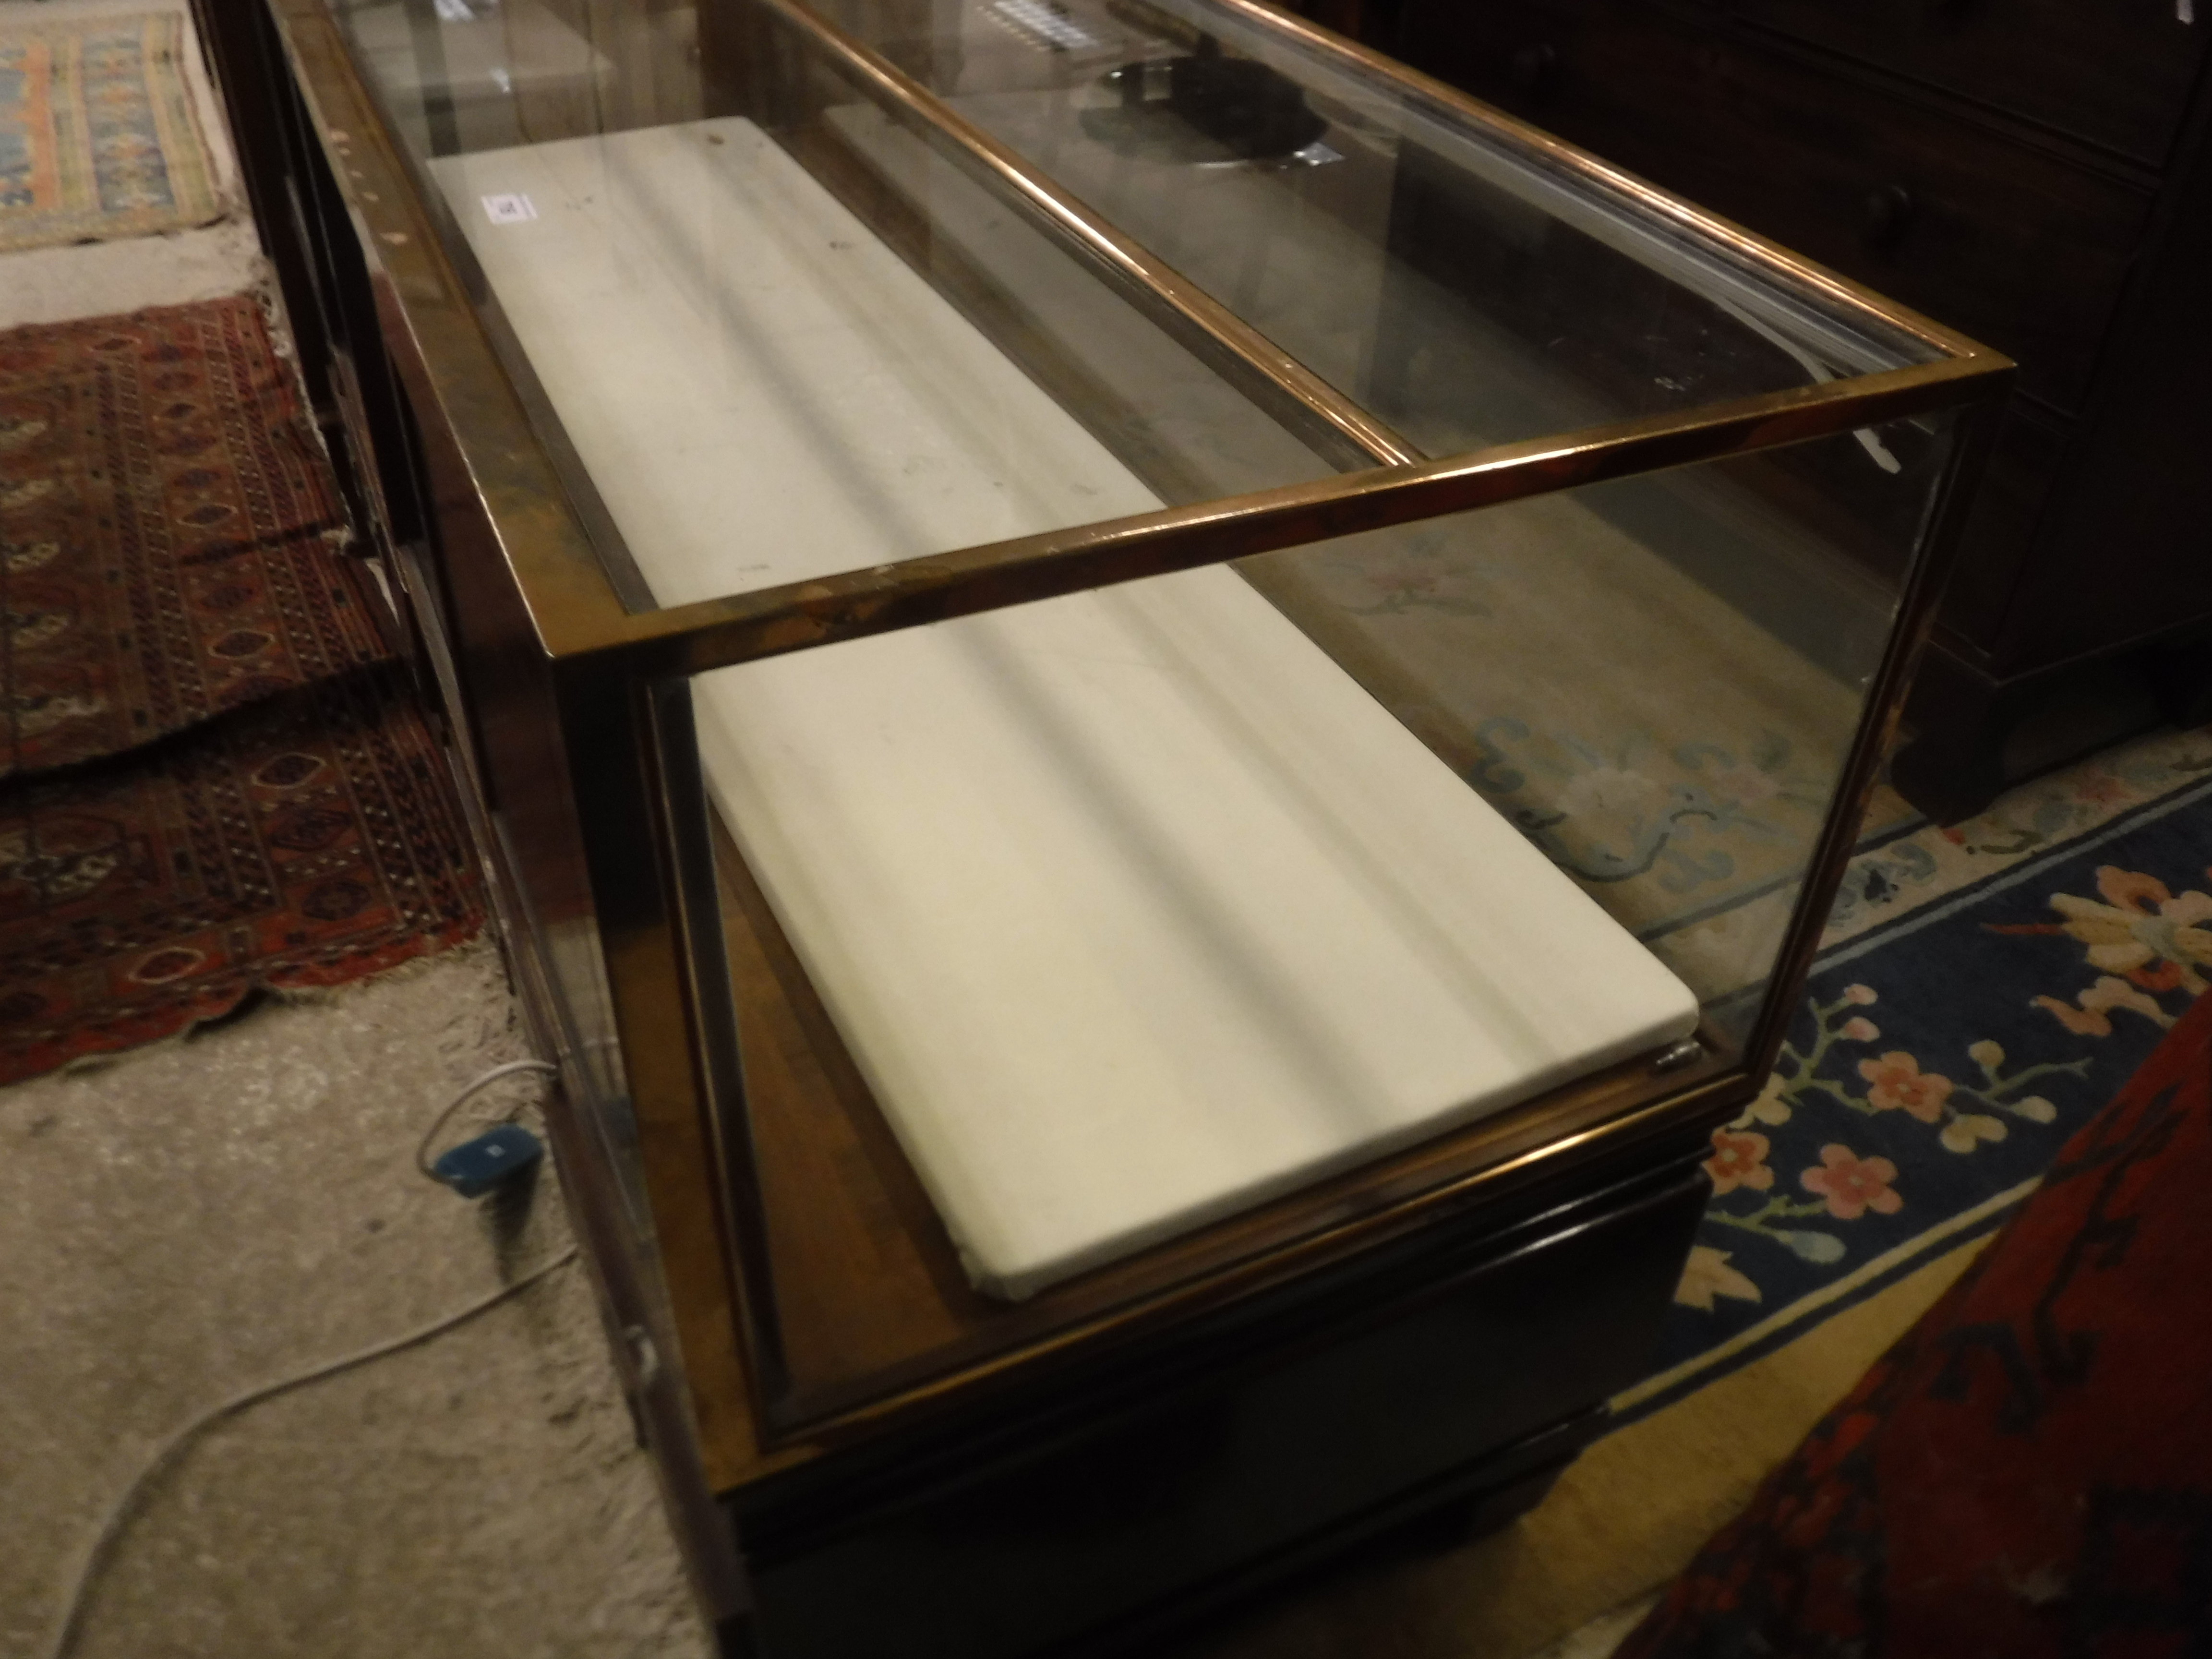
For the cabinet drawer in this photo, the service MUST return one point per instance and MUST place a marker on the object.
(2015, 248)
(2117, 73)
(965, 1545)
(2000, 531)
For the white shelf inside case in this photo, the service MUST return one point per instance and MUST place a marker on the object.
(1133, 908)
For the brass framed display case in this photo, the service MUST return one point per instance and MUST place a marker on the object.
(1161, 715)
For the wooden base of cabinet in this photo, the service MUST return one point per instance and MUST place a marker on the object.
(1975, 736)
(1094, 1520)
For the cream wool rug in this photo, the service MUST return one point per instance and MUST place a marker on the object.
(197, 1218)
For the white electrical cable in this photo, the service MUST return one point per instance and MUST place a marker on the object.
(513, 1066)
(119, 1513)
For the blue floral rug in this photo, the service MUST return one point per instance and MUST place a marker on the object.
(1939, 1061)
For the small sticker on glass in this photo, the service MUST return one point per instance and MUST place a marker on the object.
(509, 210)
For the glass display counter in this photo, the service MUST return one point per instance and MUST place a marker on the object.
(1162, 716)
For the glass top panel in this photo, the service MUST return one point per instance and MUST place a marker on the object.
(762, 270)
(1357, 223)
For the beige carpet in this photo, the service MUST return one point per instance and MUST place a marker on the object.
(200, 1217)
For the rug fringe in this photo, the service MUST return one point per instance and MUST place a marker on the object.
(484, 941)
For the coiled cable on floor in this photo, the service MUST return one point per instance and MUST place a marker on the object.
(119, 1513)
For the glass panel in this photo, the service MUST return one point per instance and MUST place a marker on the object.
(748, 283)
(1144, 880)
(722, 341)
(1464, 288)
(1657, 680)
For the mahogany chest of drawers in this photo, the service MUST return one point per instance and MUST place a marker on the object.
(2033, 172)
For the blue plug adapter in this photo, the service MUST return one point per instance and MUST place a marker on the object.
(475, 1167)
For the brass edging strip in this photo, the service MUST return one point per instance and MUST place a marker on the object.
(1942, 543)
(930, 587)
(546, 548)
(1340, 430)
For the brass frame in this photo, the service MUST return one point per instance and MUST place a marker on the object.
(618, 676)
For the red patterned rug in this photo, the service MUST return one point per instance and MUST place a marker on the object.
(2029, 1472)
(166, 533)
(308, 839)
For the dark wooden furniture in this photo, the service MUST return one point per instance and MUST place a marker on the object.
(864, 1456)
(2035, 172)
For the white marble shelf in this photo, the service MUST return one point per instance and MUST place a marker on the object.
(1133, 908)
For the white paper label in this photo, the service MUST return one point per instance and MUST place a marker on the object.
(509, 210)
(2185, 10)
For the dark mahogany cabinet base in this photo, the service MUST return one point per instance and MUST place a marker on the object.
(1415, 1388)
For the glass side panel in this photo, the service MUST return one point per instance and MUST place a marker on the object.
(1146, 882)
(1658, 680)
